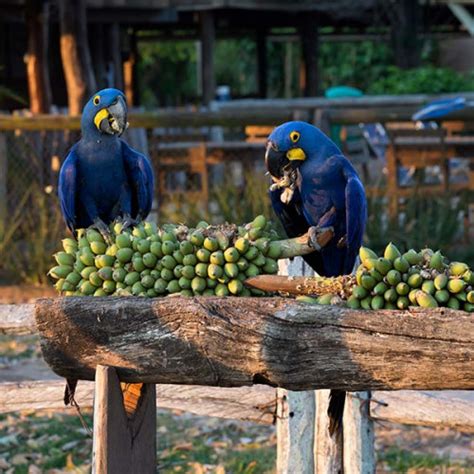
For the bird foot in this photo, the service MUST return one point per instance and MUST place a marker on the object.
(104, 230)
(128, 221)
(313, 233)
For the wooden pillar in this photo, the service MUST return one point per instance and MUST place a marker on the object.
(122, 445)
(99, 54)
(262, 68)
(129, 72)
(39, 87)
(77, 64)
(310, 47)
(115, 48)
(208, 34)
(406, 43)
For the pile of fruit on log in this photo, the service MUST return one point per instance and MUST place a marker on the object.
(173, 259)
(424, 278)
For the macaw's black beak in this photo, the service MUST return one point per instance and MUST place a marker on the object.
(275, 160)
(113, 119)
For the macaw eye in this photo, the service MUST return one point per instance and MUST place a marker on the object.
(294, 136)
(96, 100)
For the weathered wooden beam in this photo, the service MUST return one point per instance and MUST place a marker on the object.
(244, 341)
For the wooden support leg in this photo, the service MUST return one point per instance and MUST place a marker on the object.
(122, 445)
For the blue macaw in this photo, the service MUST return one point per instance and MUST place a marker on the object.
(314, 187)
(103, 178)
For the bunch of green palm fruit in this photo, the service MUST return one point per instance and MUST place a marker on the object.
(173, 259)
(425, 278)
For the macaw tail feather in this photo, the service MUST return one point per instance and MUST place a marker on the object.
(337, 400)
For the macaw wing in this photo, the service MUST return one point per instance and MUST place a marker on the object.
(67, 188)
(294, 223)
(356, 215)
(140, 176)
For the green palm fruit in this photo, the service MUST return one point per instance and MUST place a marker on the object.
(231, 255)
(202, 225)
(60, 271)
(197, 238)
(259, 222)
(412, 257)
(143, 246)
(353, 302)
(178, 256)
(242, 245)
(441, 281)
(368, 282)
(87, 271)
(401, 264)
(461, 296)
(166, 274)
(178, 271)
(391, 252)
(211, 244)
(63, 258)
(270, 267)
(221, 290)
(412, 296)
(390, 295)
(105, 273)
(124, 254)
(426, 253)
(150, 228)
(377, 276)
(402, 289)
(428, 287)
(78, 266)
(186, 293)
(203, 255)
(254, 233)
(242, 264)
(138, 289)
(366, 253)
(468, 277)
(188, 272)
(87, 257)
(138, 264)
(184, 283)
(131, 278)
(252, 271)
(214, 271)
(456, 285)
(262, 244)
(109, 286)
(217, 258)
(222, 240)
(256, 292)
(173, 287)
(241, 277)
(359, 292)
(119, 274)
(383, 266)
(93, 236)
(100, 292)
(168, 247)
(210, 282)
(366, 303)
(436, 261)
(259, 261)
(369, 263)
(403, 302)
(208, 292)
(458, 268)
(135, 245)
(149, 260)
(70, 246)
(147, 281)
(73, 278)
(104, 261)
(308, 299)
(190, 259)
(470, 297)
(186, 247)
(389, 305)
(393, 277)
(425, 300)
(359, 273)
(68, 286)
(168, 262)
(87, 288)
(160, 286)
(139, 231)
(98, 248)
(442, 296)
(156, 273)
(380, 288)
(469, 307)
(198, 284)
(251, 253)
(377, 302)
(231, 270)
(112, 250)
(453, 303)
(274, 250)
(95, 279)
(82, 243)
(325, 299)
(147, 271)
(151, 293)
(415, 280)
(201, 270)
(155, 249)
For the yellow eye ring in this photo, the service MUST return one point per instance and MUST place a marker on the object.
(294, 136)
(96, 100)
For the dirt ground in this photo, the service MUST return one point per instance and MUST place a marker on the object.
(399, 448)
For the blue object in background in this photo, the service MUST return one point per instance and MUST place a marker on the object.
(439, 108)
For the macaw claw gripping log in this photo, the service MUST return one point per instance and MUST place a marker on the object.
(102, 178)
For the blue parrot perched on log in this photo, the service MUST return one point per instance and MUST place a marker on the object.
(103, 179)
(316, 187)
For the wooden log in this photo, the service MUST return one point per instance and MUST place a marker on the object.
(245, 341)
(122, 445)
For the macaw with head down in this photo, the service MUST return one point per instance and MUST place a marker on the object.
(102, 178)
(314, 187)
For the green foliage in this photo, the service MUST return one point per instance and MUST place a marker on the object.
(426, 79)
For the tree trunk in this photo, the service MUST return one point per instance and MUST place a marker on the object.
(77, 64)
(39, 87)
(244, 341)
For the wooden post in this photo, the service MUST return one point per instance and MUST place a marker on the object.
(39, 87)
(129, 69)
(262, 63)
(405, 33)
(122, 445)
(116, 55)
(310, 46)
(97, 31)
(207, 56)
(3, 184)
